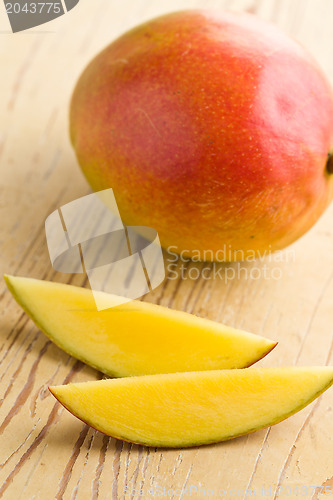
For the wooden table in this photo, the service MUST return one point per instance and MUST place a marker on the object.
(45, 452)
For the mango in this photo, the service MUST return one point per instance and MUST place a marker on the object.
(196, 408)
(136, 338)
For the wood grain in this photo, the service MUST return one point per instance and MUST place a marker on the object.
(45, 452)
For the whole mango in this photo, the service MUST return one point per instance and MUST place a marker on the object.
(214, 129)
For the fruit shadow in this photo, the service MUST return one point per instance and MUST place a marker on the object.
(182, 266)
(181, 272)
(24, 338)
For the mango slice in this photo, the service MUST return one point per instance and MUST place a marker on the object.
(194, 408)
(135, 338)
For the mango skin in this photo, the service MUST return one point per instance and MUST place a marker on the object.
(212, 128)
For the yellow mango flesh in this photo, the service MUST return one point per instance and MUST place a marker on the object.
(194, 408)
(135, 338)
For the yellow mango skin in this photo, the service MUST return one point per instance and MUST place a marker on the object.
(194, 408)
(135, 338)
